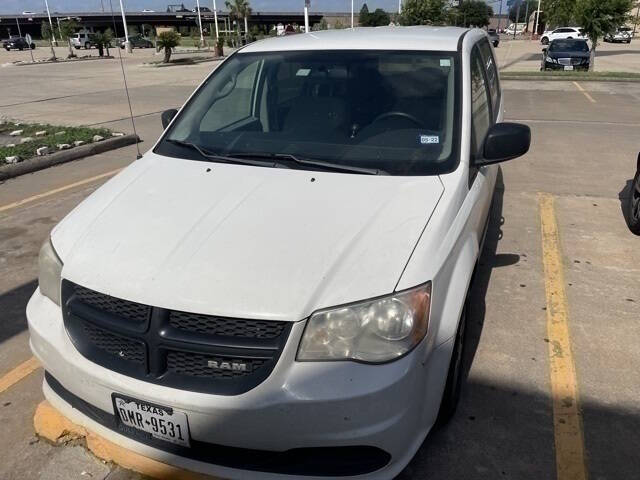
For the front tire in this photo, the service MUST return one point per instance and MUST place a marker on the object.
(632, 206)
(544, 41)
(453, 387)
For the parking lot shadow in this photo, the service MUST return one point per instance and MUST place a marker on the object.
(13, 319)
(623, 196)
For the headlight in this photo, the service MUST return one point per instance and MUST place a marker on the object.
(552, 59)
(373, 331)
(49, 272)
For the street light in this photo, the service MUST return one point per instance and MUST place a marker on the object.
(215, 19)
(200, 23)
(53, 34)
(351, 13)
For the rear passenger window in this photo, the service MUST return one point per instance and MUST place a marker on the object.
(480, 103)
(492, 75)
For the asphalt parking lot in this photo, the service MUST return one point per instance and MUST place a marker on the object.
(585, 142)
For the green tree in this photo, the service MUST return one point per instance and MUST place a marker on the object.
(168, 40)
(338, 25)
(363, 17)
(471, 13)
(599, 17)
(45, 32)
(559, 13)
(423, 12)
(379, 18)
(322, 25)
(67, 30)
(240, 9)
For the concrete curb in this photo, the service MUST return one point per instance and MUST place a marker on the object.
(39, 163)
(51, 425)
(558, 78)
(59, 62)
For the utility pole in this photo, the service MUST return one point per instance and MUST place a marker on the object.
(53, 35)
(200, 23)
(306, 15)
(18, 23)
(399, 7)
(215, 19)
(635, 24)
(351, 13)
(126, 30)
(515, 28)
(500, 16)
(526, 16)
(535, 30)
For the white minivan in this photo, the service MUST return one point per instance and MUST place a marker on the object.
(278, 288)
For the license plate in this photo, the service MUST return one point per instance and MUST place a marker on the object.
(161, 422)
(568, 67)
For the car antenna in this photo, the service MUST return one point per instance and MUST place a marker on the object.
(124, 77)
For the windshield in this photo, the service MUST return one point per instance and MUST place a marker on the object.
(393, 111)
(568, 46)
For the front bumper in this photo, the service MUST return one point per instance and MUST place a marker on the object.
(302, 405)
(557, 66)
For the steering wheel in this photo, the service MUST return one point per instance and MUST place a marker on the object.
(385, 115)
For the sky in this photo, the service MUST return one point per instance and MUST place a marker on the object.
(18, 6)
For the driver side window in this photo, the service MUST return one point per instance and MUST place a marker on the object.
(480, 102)
(234, 107)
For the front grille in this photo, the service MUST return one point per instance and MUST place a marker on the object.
(196, 365)
(226, 327)
(114, 344)
(564, 61)
(190, 351)
(106, 303)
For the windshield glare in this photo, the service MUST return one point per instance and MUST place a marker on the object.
(394, 111)
(568, 46)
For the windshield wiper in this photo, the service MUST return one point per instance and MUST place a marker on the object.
(214, 157)
(320, 164)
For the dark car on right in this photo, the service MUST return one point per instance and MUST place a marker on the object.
(566, 54)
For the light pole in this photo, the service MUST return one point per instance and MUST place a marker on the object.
(200, 23)
(126, 30)
(306, 15)
(18, 23)
(535, 29)
(500, 16)
(399, 7)
(351, 13)
(215, 19)
(53, 35)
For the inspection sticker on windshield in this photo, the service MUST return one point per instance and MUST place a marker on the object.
(303, 72)
(429, 139)
(445, 62)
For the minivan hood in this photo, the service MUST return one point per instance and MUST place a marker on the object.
(241, 241)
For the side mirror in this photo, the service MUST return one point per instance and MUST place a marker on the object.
(503, 142)
(167, 116)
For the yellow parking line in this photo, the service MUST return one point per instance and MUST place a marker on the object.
(57, 190)
(567, 418)
(18, 373)
(585, 93)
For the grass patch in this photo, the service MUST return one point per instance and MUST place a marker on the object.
(562, 75)
(28, 149)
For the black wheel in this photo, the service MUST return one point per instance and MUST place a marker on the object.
(544, 41)
(7, 49)
(629, 41)
(453, 387)
(77, 48)
(569, 38)
(33, 46)
(632, 206)
(20, 48)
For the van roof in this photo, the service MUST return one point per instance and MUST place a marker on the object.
(366, 38)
